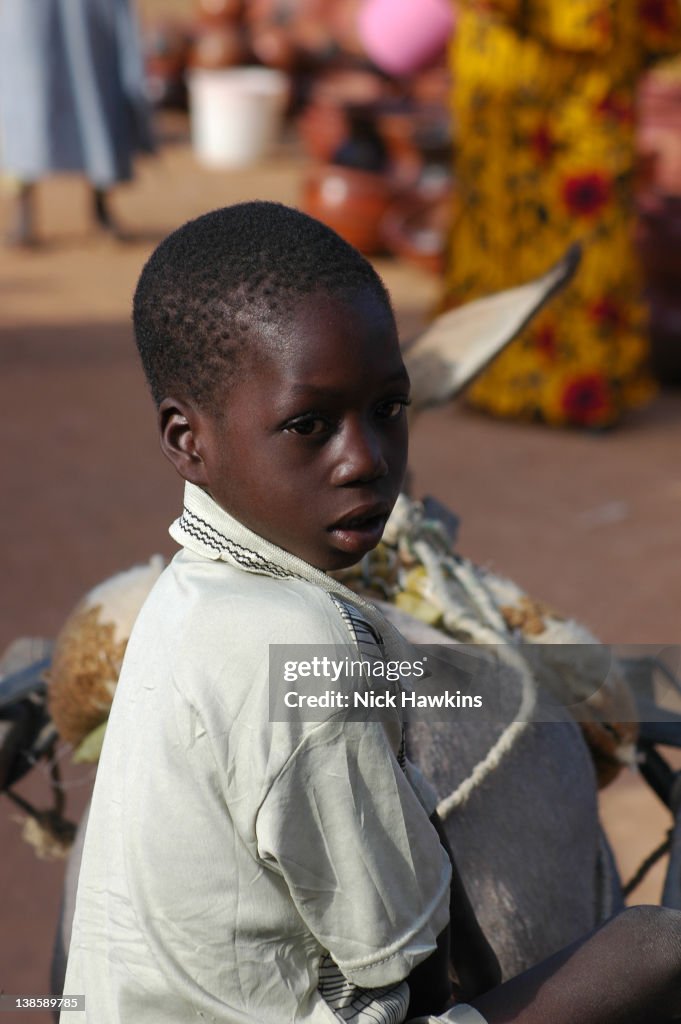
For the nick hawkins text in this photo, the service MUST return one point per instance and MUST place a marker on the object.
(377, 699)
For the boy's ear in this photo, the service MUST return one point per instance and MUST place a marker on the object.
(179, 426)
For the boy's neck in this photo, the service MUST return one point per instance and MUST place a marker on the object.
(206, 528)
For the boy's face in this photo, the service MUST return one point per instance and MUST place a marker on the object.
(311, 449)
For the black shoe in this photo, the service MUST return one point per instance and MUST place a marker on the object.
(21, 231)
(104, 219)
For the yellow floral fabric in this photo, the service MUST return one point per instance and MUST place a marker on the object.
(543, 102)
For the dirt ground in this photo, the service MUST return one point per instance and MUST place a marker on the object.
(591, 524)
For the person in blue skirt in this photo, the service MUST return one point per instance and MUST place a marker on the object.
(72, 98)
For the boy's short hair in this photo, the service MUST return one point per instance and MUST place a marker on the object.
(213, 282)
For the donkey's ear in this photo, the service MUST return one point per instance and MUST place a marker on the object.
(459, 344)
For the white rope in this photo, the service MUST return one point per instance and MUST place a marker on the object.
(482, 634)
(493, 758)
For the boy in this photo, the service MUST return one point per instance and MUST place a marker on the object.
(238, 869)
(235, 868)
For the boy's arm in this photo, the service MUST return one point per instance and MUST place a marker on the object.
(366, 872)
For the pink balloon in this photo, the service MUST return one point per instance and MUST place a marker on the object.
(405, 36)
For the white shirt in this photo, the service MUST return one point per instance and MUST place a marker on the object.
(236, 869)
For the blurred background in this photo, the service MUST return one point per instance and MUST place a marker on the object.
(277, 101)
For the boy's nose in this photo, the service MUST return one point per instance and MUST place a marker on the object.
(361, 458)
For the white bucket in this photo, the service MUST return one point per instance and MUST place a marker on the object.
(236, 114)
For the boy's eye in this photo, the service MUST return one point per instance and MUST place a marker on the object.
(392, 409)
(308, 426)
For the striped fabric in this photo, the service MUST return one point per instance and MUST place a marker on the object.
(386, 1005)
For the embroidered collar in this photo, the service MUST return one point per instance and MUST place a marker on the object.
(205, 527)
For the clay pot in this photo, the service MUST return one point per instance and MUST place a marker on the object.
(305, 23)
(350, 201)
(310, 24)
(659, 130)
(659, 242)
(416, 225)
(324, 122)
(321, 128)
(659, 99)
(665, 336)
(219, 12)
(272, 46)
(396, 124)
(349, 86)
(416, 135)
(166, 46)
(432, 87)
(219, 47)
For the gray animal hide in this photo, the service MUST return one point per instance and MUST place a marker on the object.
(528, 841)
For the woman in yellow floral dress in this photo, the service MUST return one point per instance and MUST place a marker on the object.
(544, 111)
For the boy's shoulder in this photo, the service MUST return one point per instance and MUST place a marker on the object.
(204, 641)
(212, 600)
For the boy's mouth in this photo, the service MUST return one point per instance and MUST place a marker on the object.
(361, 529)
